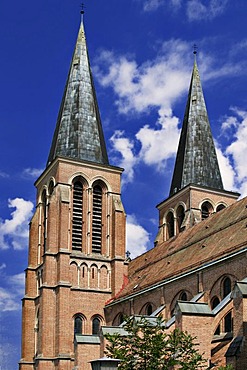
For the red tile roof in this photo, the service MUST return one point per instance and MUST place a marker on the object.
(219, 235)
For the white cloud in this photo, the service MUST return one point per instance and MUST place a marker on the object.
(226, 170)
(195, 10)
(198, 10)
(2, 266)
(14, 231)
(229, 123)
(176, 3)
(125, 147)
(159, 144)
(4, 175)
(8, 301)
(238, 148)
(159, 82)
(236, 151)
(32, 172)
(152, 5)
(17, 283)
(137, 237)
(6, 354)
(11, 294)
(156, 83)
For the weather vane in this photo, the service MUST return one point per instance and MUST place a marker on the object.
(195, 49)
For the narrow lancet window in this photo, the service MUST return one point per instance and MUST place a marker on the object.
(44, 206)
(77, 215)
(180, 217)
(96, 326)
(78, 325)
(97, 219)
(170, 225)
(183, 296)
(149, 309)
(226, 286)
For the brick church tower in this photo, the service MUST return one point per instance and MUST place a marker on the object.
(77, 234)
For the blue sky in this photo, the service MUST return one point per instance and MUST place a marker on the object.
(141, 53)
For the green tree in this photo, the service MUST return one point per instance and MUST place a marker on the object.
(227, 367)
(146, 345)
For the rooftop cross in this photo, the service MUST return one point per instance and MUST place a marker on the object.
(82, 8)
(195, 49)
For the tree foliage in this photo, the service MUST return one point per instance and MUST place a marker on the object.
(147, 346)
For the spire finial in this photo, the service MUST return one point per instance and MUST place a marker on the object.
(82, 11)
(195, 50)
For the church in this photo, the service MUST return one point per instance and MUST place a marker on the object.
(79, 281)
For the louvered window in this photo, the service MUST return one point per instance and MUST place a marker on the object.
(77, 215)
(97, 219)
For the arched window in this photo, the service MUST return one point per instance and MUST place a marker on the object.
(97, 219)
(44, 208)
(51, 187)
(103, 277)
(226, 286)
(77, 215)
(149, 309)
(206, 210)
(37, 321)
(214, 303)
(36, 331)
(180, 217)
(84, 275)
(220, 207)
(170, 224)
(95, 326)
(118, 320)
(183, 296)
(228, 323)
(78, 325)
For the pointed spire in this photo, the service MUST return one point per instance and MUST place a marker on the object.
(78, 133)
(196, 161)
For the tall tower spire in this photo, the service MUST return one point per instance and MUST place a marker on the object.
(78, 133)
(196, 161)
(77, 235)
(196, 190)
